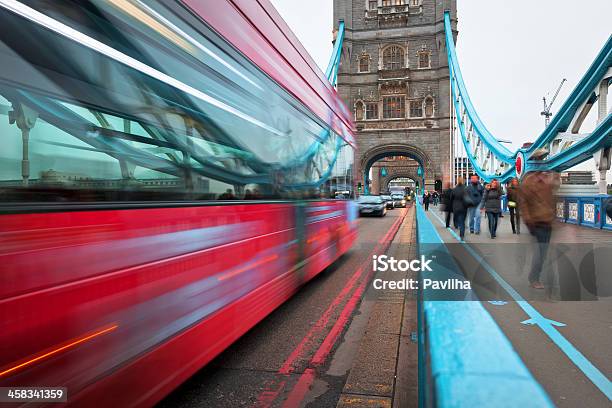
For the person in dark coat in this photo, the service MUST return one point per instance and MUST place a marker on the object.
(513, 206)
(459, 207)
(426, 200)
(447, 204)
(491, 204)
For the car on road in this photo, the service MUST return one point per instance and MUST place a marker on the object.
(342, 195)
(369, 204)
(399, 200)
(388, 201)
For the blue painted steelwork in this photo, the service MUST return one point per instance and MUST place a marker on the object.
(557, 149)
(584, 210)
(466, 112)
(582, 93)
(465, 348)
(334, 62)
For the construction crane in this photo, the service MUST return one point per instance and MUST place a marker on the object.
(546, 112)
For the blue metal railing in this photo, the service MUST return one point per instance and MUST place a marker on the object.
(464, 357)
(589, 211)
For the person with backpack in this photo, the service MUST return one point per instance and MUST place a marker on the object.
(491, 204)
(460, 206)
(475, 191)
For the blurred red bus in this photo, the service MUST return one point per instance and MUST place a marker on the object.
(166, 176)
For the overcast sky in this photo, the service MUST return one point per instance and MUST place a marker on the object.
(512, 53)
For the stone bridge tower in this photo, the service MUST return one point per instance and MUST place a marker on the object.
(394, 77)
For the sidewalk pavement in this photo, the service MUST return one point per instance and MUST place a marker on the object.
(385, 370)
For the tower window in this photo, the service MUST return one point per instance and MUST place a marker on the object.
(424, 59)
(393, 57)
(364, 63)
(371, 111)
(416, 109)
(393, 107)
(372, 4)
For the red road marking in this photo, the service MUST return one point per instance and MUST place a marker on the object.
(327, 345)
(273, 388)
(301, 388)
(287, 366)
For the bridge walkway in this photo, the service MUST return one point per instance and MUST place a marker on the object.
(563, 333)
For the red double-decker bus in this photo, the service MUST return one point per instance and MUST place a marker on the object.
(166, 180)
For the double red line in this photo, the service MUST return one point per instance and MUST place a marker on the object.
(362, 276)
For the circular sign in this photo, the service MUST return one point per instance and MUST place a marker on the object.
(519, 164)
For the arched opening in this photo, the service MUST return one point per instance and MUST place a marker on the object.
(398, 160)
(402, 183)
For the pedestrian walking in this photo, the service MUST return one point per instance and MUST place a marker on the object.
(513, 206)
(475, 191)
(536, 197)
(447, 205)
(426, 200)
(460, 205)
(491, 200)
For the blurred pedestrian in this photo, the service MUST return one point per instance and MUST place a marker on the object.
(513, 206)
(436, 197)
(459, 206)
(447, 206)
(501, 201)
(426, 200)
(491, 203)
(536, 196)
(475, 191)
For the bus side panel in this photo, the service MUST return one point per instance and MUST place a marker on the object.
(119, 283)
(139, 329)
